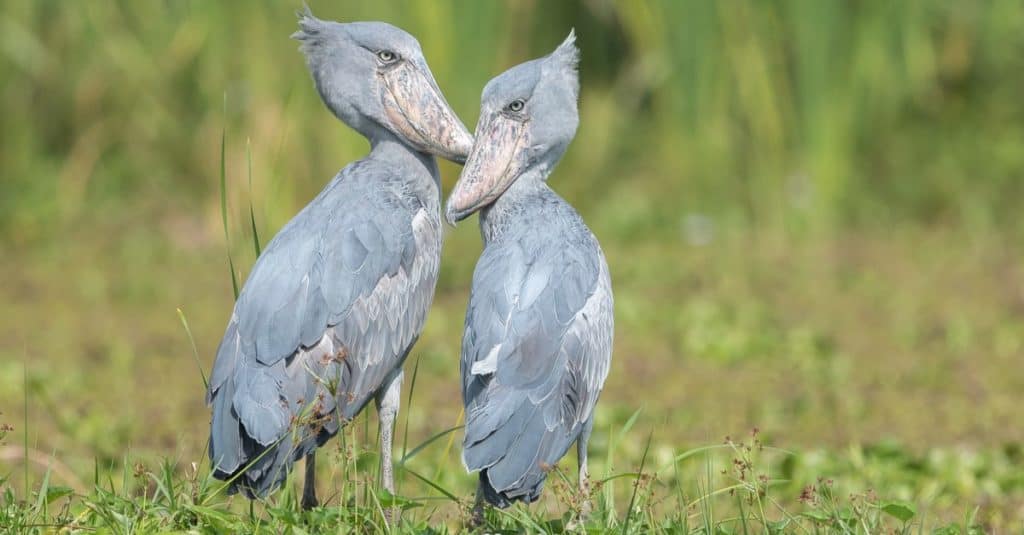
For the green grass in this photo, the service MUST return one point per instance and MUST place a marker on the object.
(811, 211)
(740, 486)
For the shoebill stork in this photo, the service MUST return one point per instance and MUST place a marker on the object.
(339, 296)
(538, 334)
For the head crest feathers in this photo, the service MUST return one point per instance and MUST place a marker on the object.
(567, 54)
(310, 27)
(563, 63)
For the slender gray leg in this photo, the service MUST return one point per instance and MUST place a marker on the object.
(388, 400)
(581, 454)
(476, 518)
(309, 500)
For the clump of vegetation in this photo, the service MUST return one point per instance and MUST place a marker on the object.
(733, 491)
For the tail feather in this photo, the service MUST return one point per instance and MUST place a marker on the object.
(226, 450)
(265, 468)
(514, 461)
(503, 499)
(254, 468)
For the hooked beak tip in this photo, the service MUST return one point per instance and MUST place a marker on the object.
(460, 144)
(417, 111)
(463, 145)
(453, 216)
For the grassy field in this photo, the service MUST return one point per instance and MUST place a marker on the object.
(812, 212)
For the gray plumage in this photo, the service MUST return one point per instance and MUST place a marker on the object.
(339, 296)
(537, 343)
(539, 324)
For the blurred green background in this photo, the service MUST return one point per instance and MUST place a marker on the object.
(812, 211)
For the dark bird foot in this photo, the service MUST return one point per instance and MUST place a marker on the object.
(476, 518)
(309, 502)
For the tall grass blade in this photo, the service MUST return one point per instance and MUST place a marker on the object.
(224, 198)
(24, 378)
(41, 495)
(680, 497)
(743, 515)
(195, 352)
(707, 509)
(608, 489)
(427, 442)
(636, 488)
(451, 442)
(431, 484)
(252, 215)
(629, 423)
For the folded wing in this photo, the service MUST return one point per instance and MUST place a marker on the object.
(329, 310)
(536, 351)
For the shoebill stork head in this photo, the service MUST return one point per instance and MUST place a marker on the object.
(528, 116)
(374, 78)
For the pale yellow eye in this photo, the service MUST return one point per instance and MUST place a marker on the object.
(516, 105)
(387, 56)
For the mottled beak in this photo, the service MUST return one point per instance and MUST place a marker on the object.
(497, 159)
(418, 111)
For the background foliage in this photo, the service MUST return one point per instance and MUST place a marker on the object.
(812, 211)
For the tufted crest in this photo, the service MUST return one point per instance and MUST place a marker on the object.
(311, 29)
(564, 62)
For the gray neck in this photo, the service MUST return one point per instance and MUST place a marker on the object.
(419, 168)
(502, 213)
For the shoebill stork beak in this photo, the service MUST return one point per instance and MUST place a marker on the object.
(418, 111)
(496, 160)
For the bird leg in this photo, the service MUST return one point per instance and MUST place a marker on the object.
(388, 400)
(476, 517)
(581, 455)
(309, 500)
